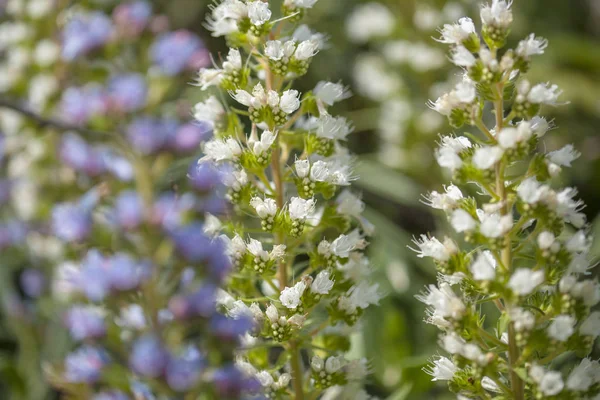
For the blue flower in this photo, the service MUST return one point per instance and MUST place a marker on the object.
(183, 371)
(83, 33)
(85, 364)
(127, 92)
(188, 137)
(147, 135)
(132, 17)
(177, 51)
(112, 395)
(129, 210)
(229, 329)
(148, 356)
(85, 322)
(79, 104)
(71, 222)
(33, 282)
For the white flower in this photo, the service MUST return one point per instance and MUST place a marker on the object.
(456, 33)
(364, 294)
(265, 379)
(212, 224)
(488, 384)
(486, 157)
(306, 49)
(462, 221)
(369, 20)
(289, 101)
(444, 201)
(344, 244)
(465, 92)
(349, 204)
(260, 147)
(523, 281)
(274, 50)
(300, 3)
(290, 296)
(463, 57)
(583, 376)
(300, 208)
(562, 327)
(132, 316)
(330, 93)
(208, 77)
(591, 325)
(551, 383)
(222, 149)
(243, 97)
(545, 240)
(444, 301)
(333, 364)
(46, 52)
(565, 156)
(495, 225)
(258, 12)
(544, 93)
(508, 138)
(317, 363)
(578, 243)
(210, 110)
(531, 46)
(264, 208)
(431, 247)
(447, 155)
(236, 180)
(497, 14)
(333, 128)
(302, 168)
(484, 267)
(442, 369)
(322, 283)
(523, 320)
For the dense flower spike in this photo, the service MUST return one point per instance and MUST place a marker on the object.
(529, 241)
(119, 250)
(296, 243)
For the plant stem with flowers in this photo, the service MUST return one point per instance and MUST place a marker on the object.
(295, 237)
(529, 244)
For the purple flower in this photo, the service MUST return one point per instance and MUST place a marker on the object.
(85, 322)
(177, 51)
(204, 176)
(85, 364)
(125, 273)
(148, 356)
(146, 135)
(71, 222)
(79, 104)
(117, 165)
(32, 282)
(83, 33)
(77, 154)
(191, 242)
(231, 382)
(189, 136)
(183, 371)
(127, 92)
(202, 302)
(229, 329)
(132, 17)
(129, 210)
(112, 395)
(12, 233)
(218, 263)
(93, 278)
(168, 210)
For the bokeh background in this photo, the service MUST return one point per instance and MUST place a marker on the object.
(386, 53)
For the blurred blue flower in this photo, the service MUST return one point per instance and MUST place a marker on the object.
(85, 364)
(191, 242)
(147, 135)
(183, 371)
(132, 17)
(204, 176)
(32, 282)
(85, 322)
(79, 155)
(79, 104)
(187, 137)
(229, 381)
(129, 210)
(71, 222)
(12, 233)
(177, 51)
(127, 92)
(148, 356)
(83, 33)
(112, 395)
(229, 329)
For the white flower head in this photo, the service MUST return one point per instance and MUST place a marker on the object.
(444, 201)
(344, 244)
(290, 296)
(565, 156)
(551, 383)
(562, 327)
(432, 247)
(457, 33)
(444, 302)
(300, 208)
(264, 208)
(322, 283)
(484, 267)
(222, 149)
(531, 46)
(463, 57)
(497, 14)
(442, 369)
(544, 93)
(495, 225)
(306, 49)
(523, 281)
(274, 50)
(462, 221)
(487, 156)
(523, 320)
(333, 364)
(258, 12)
(330, 93)
(591, 325)
(262, 146)
(583, 376)
(210, 110)
(289, 101)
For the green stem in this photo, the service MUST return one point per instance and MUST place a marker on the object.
(297, 370)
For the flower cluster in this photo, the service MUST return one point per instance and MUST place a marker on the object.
(297, 237)
(116, 248)
(527, 244)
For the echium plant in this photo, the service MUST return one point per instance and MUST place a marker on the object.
(525, 243)
(297, 236)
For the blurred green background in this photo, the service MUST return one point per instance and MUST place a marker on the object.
(395, 170)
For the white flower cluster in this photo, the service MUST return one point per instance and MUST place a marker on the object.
(285, 172)
(530, 241)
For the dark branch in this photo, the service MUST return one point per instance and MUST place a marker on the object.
(43, 122)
